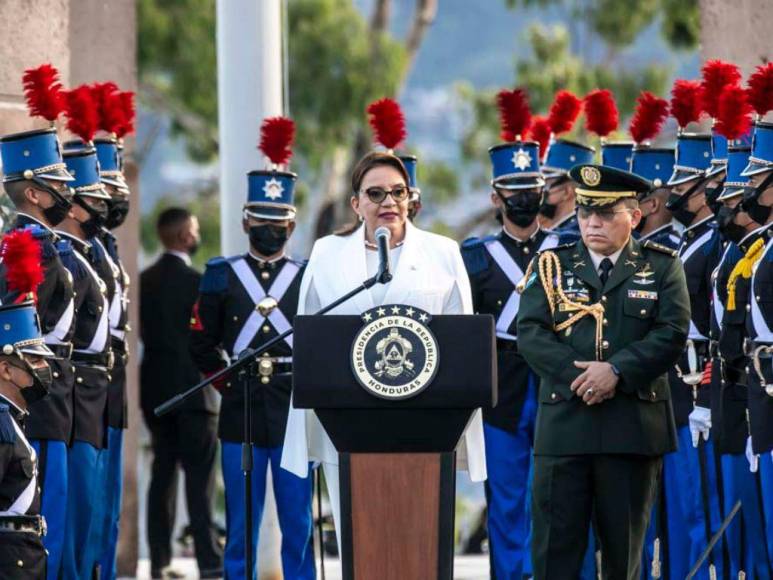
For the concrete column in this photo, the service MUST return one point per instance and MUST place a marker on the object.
(103, 46)
(737, 31)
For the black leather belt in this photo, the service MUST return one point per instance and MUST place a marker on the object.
(27, 524)
(103, 359)
(118, 345)
(61, 350)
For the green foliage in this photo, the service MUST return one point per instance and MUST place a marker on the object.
(620, 23)
(439, 181)
(336, 66)
(204, 206)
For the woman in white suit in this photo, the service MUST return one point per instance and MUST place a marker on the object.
(428, 274)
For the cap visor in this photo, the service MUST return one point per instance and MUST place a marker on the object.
(56, 175)
(511, 183)
(37, 350)
(754, 168)
(679, 177)
(269, 213)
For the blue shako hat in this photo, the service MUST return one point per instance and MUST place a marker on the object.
(270, 195)
(20, 331)
(617, 154)
(516, 165)
(693, 157)
(410, 162)
(761, 157)
(33, 154)
(564, 154)
(654, 164)
(735, 183)
(110, 171)
(84, 167)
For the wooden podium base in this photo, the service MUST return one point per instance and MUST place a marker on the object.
(397, 512)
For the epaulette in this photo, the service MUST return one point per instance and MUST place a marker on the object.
(215, 278)
(97, 252)
(474, 254)
(561, 246)
(567, 237)
(650, 245)
(69, 260)
(299, 263)
(7, 431)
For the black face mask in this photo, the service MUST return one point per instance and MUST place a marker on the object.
(731, 230)
(117, 210)
(41, 383)
(521, 208)
(56, 213)
(268, 239)
(92, 226)
(548, 209)
(751, 205)
(712, 193)
(676, 203)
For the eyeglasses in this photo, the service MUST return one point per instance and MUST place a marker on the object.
(606, 215)
(378, 194)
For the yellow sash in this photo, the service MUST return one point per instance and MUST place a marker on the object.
(743, 269)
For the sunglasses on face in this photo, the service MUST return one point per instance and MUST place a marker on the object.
(606, 215)
(378, 194)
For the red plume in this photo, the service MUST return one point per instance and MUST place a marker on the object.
(717, 74)
(540, 132)
(126, 99)
(43, 92)
(22, 256)
(760, 91)
(276, 139)
(601, 115)
(387, 121)
(82, 116)
(109, 107)
(564, 112)
(734, 113)
(514, 113)
(650, 114)
(686, 100)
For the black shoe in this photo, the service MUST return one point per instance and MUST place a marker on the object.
(211, 573)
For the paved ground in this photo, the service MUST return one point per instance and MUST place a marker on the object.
(465, 568)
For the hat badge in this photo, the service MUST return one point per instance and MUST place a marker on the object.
(590, 176)
(521, 159)
(273, 189)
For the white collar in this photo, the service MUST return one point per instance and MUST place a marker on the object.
(22, 412)
(655, 231)
(185, 257)
(520, 241)
(703, 221)
(263, 260)
(34, 219)
(597, 258)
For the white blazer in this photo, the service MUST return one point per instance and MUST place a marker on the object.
(430, 267)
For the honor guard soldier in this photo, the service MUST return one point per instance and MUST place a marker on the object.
(495, 265)
(557, 209)
(246, 300)
(757, 202)
(25, 377)
(93, 361)
(600, 321)
(37, 183)
(732, 308)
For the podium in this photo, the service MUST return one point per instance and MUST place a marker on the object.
(396, 457)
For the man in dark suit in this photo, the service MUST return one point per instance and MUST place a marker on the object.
(601, 321)
(188, 435)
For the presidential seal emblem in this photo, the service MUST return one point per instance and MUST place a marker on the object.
(395, 354)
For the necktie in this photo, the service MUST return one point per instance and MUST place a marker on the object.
(605, 267)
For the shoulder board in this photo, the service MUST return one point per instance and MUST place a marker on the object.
(7, 431)
(474, 254)
(215, 278)
(650, 245)
(562, 245)
(567, 237)
(300, 263)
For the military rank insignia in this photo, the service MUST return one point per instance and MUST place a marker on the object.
(395, 354)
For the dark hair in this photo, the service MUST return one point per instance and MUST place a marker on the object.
(170, 221)
(370, 161)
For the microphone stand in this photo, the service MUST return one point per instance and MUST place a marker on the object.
(245, 365)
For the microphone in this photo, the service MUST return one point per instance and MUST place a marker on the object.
(383, 235)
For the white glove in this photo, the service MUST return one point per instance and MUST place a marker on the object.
(700, 424)
(751, 457)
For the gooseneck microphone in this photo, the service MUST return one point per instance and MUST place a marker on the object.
(383, 235)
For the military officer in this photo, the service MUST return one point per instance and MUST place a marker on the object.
(601, 321)
(747, 238)
(244, 301)
(93, 361)
(757, 202)
(557, 210)
(24, 378)
(495, 264)
(37, 184)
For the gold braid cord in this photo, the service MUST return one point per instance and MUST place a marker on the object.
(549, 268)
